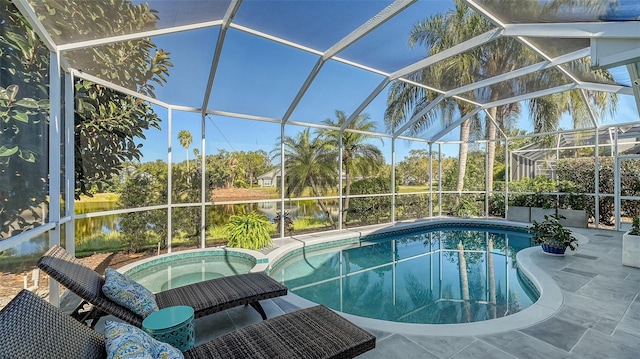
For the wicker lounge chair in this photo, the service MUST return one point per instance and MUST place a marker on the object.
(205, 298)
(32, 328)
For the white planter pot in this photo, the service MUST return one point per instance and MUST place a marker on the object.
(631, 250)
(519, 214)
(574, 218)
(537, 213)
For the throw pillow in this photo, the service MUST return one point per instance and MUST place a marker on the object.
(128, 293)
(124, 341)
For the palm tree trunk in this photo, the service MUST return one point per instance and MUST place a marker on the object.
(491, 147)
(464, 284)
(465, 129)
(323, 205)
(347, 191)
(492, 280)
(187, 148)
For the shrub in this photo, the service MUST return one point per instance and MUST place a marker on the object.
(368, 210)
(466, 208)
(249, 230)
(581, 171)
(413, 206)
(552, 233)
(288, 222)
(496, 205)
(635, 226)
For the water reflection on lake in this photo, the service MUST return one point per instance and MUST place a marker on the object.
(89, 227)
(217, 215)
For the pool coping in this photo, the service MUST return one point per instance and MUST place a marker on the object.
(547, 305)
(256, 257)
(549, 302)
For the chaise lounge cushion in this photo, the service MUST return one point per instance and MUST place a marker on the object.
(128, 293)
(124, 341)
(205, 298)
(32, 328)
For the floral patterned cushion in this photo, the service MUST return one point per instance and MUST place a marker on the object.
(126, 292)
(124, 341)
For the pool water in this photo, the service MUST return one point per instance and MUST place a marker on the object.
(433, 276)
(182, 271)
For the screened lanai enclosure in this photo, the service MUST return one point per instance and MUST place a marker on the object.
(135, 125)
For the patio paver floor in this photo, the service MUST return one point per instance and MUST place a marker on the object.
(599, 317)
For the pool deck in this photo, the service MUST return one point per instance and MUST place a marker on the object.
(591, 310)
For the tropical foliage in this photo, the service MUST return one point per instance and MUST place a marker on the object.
(371, 209)
(553, 234)
(358, 156)
(581, 172)
(249, 230)
(407, 101)
(107, 123)
(635, 226)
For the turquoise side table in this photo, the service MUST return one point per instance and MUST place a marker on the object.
(172, 325)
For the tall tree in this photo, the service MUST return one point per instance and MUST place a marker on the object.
(107, 123)
(309, 163)
(185, 139)
(358, 156)
(497, 57)
(437, 33)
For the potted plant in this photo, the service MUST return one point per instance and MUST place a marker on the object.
(552, 235)
(631, 245)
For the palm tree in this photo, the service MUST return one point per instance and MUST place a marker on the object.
(438, 33)
(501, 56)
(358, 156)
(185, 139)
(310, 162)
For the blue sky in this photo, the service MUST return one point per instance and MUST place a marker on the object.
(260, 77)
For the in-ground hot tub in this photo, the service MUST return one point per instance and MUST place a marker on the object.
(181, 268)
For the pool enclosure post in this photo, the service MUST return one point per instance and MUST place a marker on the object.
(393, 181)
(55, 106)
(282, 176)
(616, 182)
(69, 161)
(487, 173)
(341, 208)
(169, 179)
(597, 180)
(439, 179)
(203, 181)
(507, 176)
(430, 180)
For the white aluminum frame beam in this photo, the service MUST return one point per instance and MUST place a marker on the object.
(81, 75)
(137, 35)
(452, 51)
(618, 89)
(27, 11)
(228, 16)
(521, 72)
(590, 30)
(531, 95)
(419, 115)
(380, 18)
(455, 124)
(365, 103)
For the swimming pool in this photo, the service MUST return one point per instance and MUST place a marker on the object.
(426, 276)
(182, 268)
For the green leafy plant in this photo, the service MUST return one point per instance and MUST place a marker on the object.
(635, 226)
(553, 234)
(288, 222)
(466, 208)
(249, 230)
